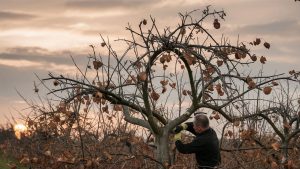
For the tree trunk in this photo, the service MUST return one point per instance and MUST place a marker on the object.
(162, 153)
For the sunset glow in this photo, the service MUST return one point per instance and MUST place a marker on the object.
(19, 130)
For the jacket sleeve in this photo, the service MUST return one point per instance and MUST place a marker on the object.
(190, 127)
(189, 148)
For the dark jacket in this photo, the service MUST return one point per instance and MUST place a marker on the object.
(205, 146)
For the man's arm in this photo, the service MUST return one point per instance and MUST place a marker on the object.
(189, 148)
(190, 127)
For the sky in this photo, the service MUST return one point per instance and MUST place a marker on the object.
(38, 36)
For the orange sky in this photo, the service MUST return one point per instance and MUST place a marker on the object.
(39, 36)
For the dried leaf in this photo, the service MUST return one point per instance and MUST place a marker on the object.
(253, 58)
(276, 146)
(144, 22)
(230, 133)
(267, 45)
(210, 88)
(236, 123)
(164, 90)
(219, 63)
(274, 83)
(142, 76)
(274, 165)
(216, 24)
(263, 59)
(257, 41)
(287, 125)
(190, 59)
(47, 153)
(164, 82)
(184, 92)
(55, 82)
(24, 160)
(292, 72)
(173, 85)
(155, 96)
(217, 116)
(107, 155)
(267, 90)
(251, 84)
(97, 64)
(118, 107)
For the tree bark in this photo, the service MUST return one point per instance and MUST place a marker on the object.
(162, 153)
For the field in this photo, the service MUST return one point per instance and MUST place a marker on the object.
(5, 161)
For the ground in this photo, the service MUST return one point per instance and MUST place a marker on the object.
(4, 161)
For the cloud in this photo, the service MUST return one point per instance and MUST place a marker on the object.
(106, 5)
(8, 15)
(275, 28)
(41, 59)
(19, 63)
(36, 54)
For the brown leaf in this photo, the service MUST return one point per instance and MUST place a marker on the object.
(237, 55)
(164, 82)
(267, 45)
(118, 107)
(164, 90)
(12, 166)
(24, 160)
(274, 83)
(276, 146)
(162, 59)
(219, 63)
(217, 116)
(236, 123)
(182, 31)
(216, 24)
(251, 84)
(267, 90)
(154, 95)
(292, 72)
(97, 64)
(144, 22)
(107, 155)
(263, 59)
(190, 60)
(34, 160)
(287, 125)
(173, 85)
(184, 92)
(230, 133)
(55, 82)
(142, 76)
(210, 87)
(274, 165)
(47, 153)
(103, 44)
(254, 58)
(257, 41)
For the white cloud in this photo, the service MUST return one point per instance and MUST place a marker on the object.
(19, 63)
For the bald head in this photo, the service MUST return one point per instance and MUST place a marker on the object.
(201, 120)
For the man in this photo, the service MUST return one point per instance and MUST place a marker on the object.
(205, 145)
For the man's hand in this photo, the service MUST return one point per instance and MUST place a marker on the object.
(179, 128)
(177, 137)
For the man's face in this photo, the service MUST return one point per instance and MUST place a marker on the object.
(198, 129)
